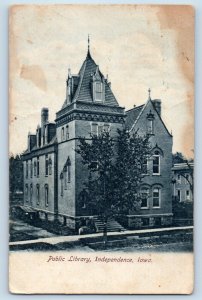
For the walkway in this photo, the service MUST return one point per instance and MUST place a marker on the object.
(73, 238)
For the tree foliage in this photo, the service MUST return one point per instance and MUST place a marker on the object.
(15, 173)
(116, 167)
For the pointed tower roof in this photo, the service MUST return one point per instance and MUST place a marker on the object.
(83, 91)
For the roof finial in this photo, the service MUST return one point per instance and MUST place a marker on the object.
(149, 94)
(88, 53)
(88, 42)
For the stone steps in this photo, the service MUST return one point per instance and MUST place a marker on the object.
(112, 225)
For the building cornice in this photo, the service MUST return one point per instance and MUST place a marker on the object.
(40, 151)
(91, 112)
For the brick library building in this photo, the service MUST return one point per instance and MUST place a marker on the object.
(53, 170)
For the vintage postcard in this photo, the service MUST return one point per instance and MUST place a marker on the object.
(101, 155)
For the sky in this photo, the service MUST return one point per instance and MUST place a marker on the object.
(138, 46)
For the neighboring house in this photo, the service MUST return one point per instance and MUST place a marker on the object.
(183, 181)
(53, 171)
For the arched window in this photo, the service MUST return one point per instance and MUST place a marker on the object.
(156, 163)
(31, 192)
(156, 197)
(61, 181)
(37, 194)
(144, 197)
(46, 194)
(50, 166)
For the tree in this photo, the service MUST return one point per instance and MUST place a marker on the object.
(116, 167)
(132, 153)
(15, 173)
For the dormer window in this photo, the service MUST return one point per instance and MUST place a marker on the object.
(98, 86)
(98, 91)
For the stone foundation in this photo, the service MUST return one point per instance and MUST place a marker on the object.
(137, 222)
(67, 221)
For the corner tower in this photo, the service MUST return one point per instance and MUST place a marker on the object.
(90, 106)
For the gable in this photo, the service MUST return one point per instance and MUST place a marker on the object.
(140, 120)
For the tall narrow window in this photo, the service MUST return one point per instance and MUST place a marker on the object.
(94, 129)
(31, 192)
(50, 166)
(98, 91)
(106, 127)
(156, 197)
(68, 169)
(144, 196)
(38, 166)
(62, 134)
(61, 182)
(178, 178)
(46, 134)
(46, 195)
(26, 169)
(145, 166)
(187, 178)
(35, 168)
(156, 163)
(150, 126)
(187, 195)
(100, 129)
(179, 195)
(26, 192)
(46, 165)
(150, 123)
(37, 194)
(65, 176)
(31, 169)
(67, 132)
(83, 198)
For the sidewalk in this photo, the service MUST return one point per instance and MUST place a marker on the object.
(73, 238)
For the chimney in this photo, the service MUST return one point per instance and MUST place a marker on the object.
(44, 121)
(157, 105)
(31, 141)
(44, 116)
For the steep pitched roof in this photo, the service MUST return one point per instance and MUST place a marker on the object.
(132, 115)
(83, 91)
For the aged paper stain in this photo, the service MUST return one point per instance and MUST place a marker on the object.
(34, 74)
(180, 19)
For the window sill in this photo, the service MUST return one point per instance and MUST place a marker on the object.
(156, 174)
(144, 208)
(156, 207)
